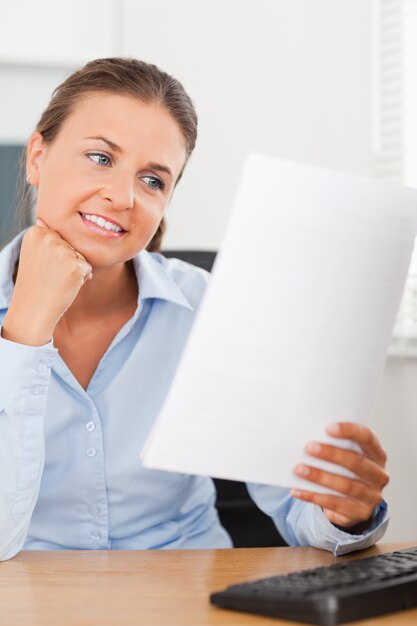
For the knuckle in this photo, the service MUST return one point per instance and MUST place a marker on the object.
(350, 487)
(364, 509)
(376, 500)
(385, 479)
(47, 234)
(358, 464)
(329, 502)
(76, 268)
(31, 234)
(49, 239)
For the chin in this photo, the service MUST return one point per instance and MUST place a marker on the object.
(101, 257)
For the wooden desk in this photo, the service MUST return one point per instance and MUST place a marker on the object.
(148, 588)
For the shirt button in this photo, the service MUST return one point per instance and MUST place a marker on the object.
(38, 390)
(90, 426)
(95, 535)
(94, 510)
(41, 368)
(91, 452)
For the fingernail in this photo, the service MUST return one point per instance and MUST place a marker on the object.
(296, 493)
(303, 470)
(333, 429)
(314, 448)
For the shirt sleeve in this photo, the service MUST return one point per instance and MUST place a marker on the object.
(304, 524)
(24, 382)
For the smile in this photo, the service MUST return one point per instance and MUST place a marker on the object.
(101, 226)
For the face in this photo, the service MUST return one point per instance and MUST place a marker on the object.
(114, 159)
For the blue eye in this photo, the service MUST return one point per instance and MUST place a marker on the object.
(99, 158)
(154, 183)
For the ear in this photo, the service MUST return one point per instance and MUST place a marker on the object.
(35, 154)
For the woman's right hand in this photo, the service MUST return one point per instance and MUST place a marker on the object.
(50, 275)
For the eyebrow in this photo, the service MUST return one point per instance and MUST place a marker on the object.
(111, 144)
(116, 148)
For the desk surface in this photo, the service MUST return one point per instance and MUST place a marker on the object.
(149, 588)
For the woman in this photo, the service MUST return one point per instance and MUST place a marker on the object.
(93, 326)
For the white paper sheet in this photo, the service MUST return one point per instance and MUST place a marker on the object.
(293, 331)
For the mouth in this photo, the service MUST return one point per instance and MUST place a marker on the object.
(102, 226)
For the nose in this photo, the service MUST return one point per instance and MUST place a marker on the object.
(120, 190)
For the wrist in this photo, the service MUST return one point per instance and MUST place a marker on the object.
(356, 529)
(31, 333)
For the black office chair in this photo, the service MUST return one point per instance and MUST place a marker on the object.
(247, 525)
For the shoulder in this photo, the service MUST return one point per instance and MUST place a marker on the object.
(191, 280)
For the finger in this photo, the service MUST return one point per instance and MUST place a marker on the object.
(338, 519)
(363, 436)
(359, 464)
(41, 222)
(77, 254)
(352, 510)
(347, 486)
(86, 268)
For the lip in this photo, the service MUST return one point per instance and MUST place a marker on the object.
(102, 232)
(108, 219)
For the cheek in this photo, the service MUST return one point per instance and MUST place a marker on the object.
(145, 222)
(149, 209)
(63, 194)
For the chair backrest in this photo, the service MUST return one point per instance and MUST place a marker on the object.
(247, 525)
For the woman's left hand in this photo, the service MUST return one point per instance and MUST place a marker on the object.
(359, 495)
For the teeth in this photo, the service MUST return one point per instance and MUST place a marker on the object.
(101, 222)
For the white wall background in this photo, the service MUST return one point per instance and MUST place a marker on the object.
(291, 78)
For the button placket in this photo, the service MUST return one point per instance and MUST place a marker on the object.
(96, 509)
(93, 510)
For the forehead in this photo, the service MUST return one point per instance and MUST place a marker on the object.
(133, 125)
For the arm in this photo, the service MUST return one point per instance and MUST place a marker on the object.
(49, 277)
(26, 372)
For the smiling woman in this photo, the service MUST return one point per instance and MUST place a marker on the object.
(124, 156)
(93, 325)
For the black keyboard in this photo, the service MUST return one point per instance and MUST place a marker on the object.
(338, 593)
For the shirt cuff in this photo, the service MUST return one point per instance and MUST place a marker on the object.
(26, 373)
(341, 542)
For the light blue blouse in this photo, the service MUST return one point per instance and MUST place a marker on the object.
(70, 470)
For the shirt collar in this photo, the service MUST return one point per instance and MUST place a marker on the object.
(153, 279)
(155, 282)
(8, 259)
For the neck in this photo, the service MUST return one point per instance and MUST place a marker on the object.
(110, 291)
